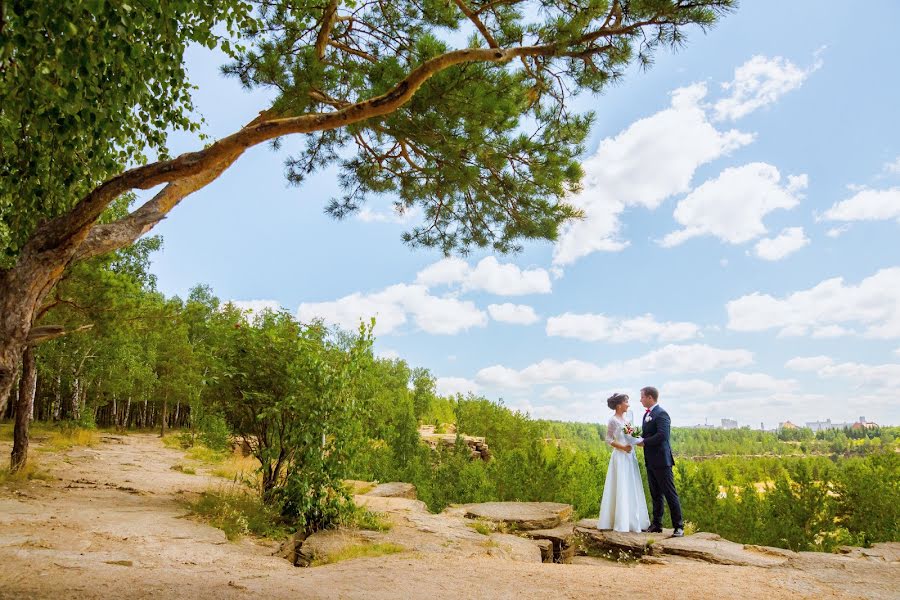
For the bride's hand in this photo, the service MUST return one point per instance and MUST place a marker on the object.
(627, 448)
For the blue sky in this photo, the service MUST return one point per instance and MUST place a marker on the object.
(739, 252)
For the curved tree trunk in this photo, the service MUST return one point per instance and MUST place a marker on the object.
(24, 406)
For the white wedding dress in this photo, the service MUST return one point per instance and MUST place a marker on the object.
(623, 507)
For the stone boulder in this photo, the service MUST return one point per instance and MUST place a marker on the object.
(562, 539)
(523, 516)
(394, 489)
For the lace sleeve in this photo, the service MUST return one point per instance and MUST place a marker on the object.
(611, 431)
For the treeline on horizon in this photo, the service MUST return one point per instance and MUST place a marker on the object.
(318, 407)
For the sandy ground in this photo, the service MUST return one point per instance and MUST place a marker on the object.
(112, 525)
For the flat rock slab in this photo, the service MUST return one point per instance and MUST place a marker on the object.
(394, 489)
(636, 544)
(563, 535)
(713, 549)
(521, 515)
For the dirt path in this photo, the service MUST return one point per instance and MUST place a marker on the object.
(111, 525)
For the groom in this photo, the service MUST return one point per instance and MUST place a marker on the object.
(659, 461)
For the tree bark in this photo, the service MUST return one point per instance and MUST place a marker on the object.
(27, 387)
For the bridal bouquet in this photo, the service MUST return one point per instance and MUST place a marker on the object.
(631, 431)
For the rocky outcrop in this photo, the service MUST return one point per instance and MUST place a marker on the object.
(478, 447)
(394, 489)
(519, 516)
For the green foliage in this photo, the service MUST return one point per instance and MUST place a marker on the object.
(358, 551)
(238, 513)
(87, 87)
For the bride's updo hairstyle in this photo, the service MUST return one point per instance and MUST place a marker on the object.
(615, 400)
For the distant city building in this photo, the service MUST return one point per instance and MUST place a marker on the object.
(729, 424)
(787, 425)
(825, 425)
(863, 424)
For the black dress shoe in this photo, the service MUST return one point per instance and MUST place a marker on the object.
(679, 532)
(653, 529)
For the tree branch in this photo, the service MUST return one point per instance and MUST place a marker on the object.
(478, 23)
(327, 23)
(44, 333)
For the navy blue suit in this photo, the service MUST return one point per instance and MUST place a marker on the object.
(659, 461)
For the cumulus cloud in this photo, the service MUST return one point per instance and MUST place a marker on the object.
(867, 205)
(256, 306)
(669, 359)
(597, 327)
(893, 167)
(557, 392)
(519, 314)
(489, 275)
(368, 215)
(759, 82)
(808, 363)
(734, 383)
(836, 232)
(651, 160)
(732, 206)
(874, 305)
(450, 386)
(393, 306)
(788, 241)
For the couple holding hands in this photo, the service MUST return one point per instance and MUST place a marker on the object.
(624, 507)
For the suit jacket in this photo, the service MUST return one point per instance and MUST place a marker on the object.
(656, 426)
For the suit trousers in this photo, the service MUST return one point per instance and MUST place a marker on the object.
(662, 485)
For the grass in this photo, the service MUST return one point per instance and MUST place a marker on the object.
(30, 471)
(237, 468)
(61, 439)
(363, 518)
(481, 527)
(184, 469)
(238, 513)
(358, 551)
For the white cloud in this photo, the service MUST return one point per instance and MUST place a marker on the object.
(873, 304)
(869, 377)
(450, 386)
(758, 82)
(651, 160)
(808, 363)
(388, 354)
(733, 383)
(256, 306)
(688, 388)
(391, 308)
(836, 232)
(669, 359)
(789, 241)
(489, 275)
(368, 215)
(731, 206)
(867, 205)
(557, 392)
(755, 382)
(520, 314)
(446, 271)
(893, 167)
(596, 327)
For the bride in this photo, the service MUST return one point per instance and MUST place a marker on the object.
(623, 507)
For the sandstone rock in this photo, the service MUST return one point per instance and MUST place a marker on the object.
(562, 538)
(652, 560)
(390, 504)
(394, 489)
(713, 549)
(328, 542)
(520, 515)
(512, 547)
(546, 547)
(636, 544)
